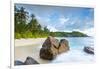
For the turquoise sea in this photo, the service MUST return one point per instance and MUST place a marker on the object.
(76, 53)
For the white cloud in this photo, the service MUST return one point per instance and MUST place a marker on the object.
(43, 21)
(51, 28)
(63, 20)
(76, 30)
(89, 32)
(37, 17)
(67, 31)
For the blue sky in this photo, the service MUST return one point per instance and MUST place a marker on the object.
(60, 18)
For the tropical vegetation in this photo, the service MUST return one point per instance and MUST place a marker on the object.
(26, 26)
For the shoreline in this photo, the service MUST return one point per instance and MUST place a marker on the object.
(33, 41)
(28, 41)
(29, 47)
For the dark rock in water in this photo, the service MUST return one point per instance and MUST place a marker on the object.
(89, 50)
(29, 61)
(17, 62)
(63, 45)
(51, 48)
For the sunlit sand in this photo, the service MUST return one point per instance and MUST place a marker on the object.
(29, 47)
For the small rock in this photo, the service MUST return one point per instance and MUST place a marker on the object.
(17, 62)
(30, 60)
(89, 50)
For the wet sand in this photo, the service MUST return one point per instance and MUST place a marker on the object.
(29, 47)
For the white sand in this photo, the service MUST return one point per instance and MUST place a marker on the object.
(29, 47)
(29, 41)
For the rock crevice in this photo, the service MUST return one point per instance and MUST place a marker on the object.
(52, 47)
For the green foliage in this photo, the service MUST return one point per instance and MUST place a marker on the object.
(68, 34)
(28, 27)
(46, 29)
(17, 35)
(78, 34)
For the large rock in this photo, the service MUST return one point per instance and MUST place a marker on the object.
(49, 48)
(89, 50)
(63, 45)
(46, 54)
(29, 61)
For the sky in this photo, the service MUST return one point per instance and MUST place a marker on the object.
(63, 18)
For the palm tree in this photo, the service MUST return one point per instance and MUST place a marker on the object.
(20, 19)
(33, 25)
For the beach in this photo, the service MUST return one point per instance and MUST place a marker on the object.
(29, 47)
(28, 41)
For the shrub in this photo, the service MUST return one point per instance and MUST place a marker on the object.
(17, 35)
